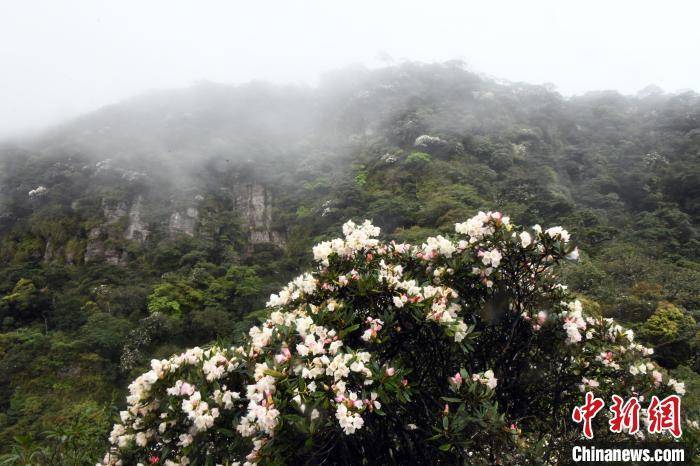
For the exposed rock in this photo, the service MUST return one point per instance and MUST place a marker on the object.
(57, 252)
(97, 251)
(95, 233)
(254, 204)
(113, 211)
(48, 251)
(114, 257)
(95, 248)
(137, 229)
(183, 223)
(278, 238)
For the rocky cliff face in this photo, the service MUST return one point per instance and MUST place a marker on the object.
(48, 251)
(98, 246)
(254, 204)
(114, 211)
(123, 221)
(183, 222)
(137, 229)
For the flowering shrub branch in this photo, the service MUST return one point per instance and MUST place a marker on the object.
(463, 348)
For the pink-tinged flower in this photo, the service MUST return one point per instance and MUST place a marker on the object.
(390, 371)
(186, 389)
(153, 459)
(541, 317)
(284, 356)
(591, 382)
(446, 411)
(455, 381)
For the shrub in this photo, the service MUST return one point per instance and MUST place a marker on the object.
(418, 158)
(464, 349)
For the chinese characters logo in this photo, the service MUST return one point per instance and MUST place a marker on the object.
(663, 415)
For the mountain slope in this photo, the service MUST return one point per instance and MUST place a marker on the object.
(162, 221)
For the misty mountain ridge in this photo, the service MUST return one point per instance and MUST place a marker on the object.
(218, 120)
(173, 140)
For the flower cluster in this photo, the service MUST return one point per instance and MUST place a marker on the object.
(481, 225)
(487, 378)
(574, 322)
(366, 336)
(37, 192)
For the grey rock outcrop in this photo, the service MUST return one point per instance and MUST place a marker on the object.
(48, 251)
(254, 205)
(113, 211)
(137, 229)
(95, 248)
(183, 222)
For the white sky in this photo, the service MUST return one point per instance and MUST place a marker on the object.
(62, 58)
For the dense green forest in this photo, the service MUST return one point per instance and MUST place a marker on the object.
(165, 221)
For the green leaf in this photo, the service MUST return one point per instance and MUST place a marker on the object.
(452, 399)
(348, 330)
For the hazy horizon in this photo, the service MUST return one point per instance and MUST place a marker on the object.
(63, 60)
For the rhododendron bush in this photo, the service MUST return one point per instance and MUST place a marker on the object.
(462, 349)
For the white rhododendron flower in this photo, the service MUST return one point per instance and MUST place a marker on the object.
(573, 255)
(558, 233)
(525, 239)
(487, 378)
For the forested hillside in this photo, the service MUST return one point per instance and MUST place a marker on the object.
(166, 221)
